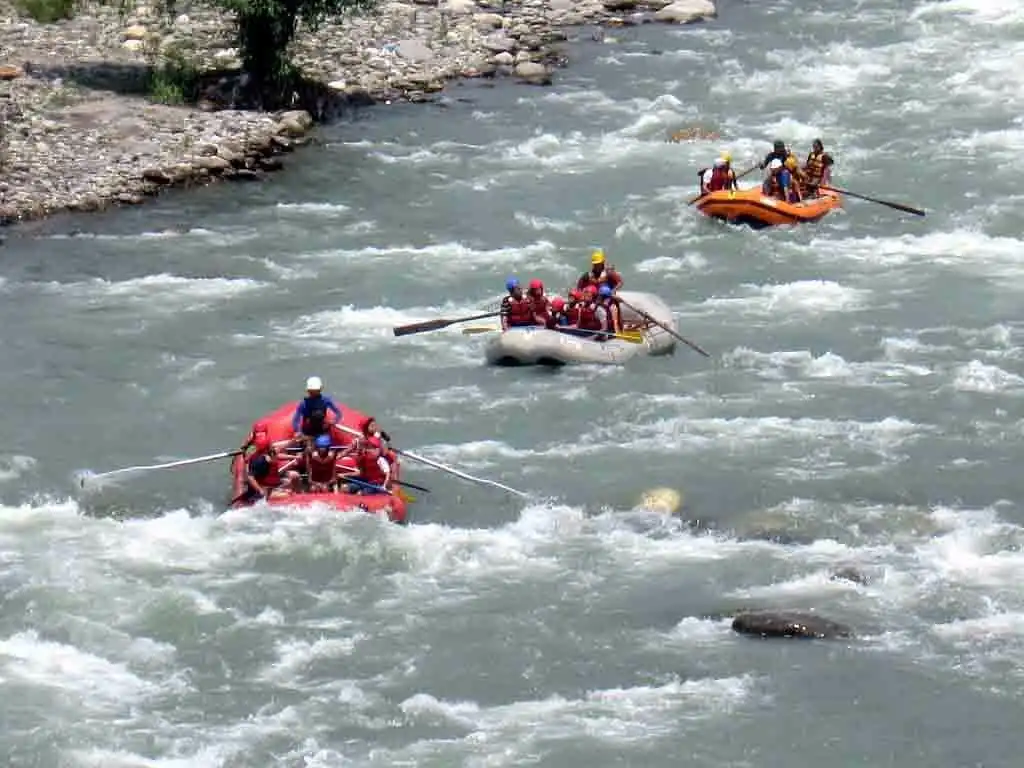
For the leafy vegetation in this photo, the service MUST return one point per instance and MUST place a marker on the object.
(47, 11)
(265, 29)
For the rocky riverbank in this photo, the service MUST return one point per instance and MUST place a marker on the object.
(78, 131)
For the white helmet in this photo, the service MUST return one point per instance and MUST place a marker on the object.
(720, 162)
(313, 384)
(776, 163)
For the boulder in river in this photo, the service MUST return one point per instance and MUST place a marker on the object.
(687, 11)
(788, 624)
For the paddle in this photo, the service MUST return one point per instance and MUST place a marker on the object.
(444, 468)
(663, 327)
(167, 465)
(634, 337)
(436, 325)
(889, 203)
(739, 176)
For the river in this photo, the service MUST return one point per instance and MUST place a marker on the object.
(862, 408)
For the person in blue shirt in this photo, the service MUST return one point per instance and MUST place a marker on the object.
(310, 418)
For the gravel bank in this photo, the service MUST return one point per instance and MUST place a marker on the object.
(76, 135)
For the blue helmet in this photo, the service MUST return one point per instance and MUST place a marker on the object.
(604, 290)
(324, 441)
(511, 284)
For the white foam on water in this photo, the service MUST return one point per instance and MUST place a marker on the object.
(317, 209)
(800, 299)
(803, 364)
(159, 293)
(977, 376)
(452, 255)
(13, 466)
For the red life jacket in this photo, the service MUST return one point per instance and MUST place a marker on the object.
(518, 311)
(321, 468)
(541, 308)
(575, 313)
(719, 179)
(273, 478)
(369, 470)
(588, 318)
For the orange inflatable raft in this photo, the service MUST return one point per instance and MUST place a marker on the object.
(279, 428)
(750, 207)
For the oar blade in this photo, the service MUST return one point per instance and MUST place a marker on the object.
(422, 327)
(476, 329)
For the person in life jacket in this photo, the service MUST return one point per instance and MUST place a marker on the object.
(779, 152)
(600, 273)
(259, 430)
(608, 312)
(795, 193)
(264, 473)
(722, 175)
(573, 312)
(371, 468)
(589, 321)
(321, 465)
(310, 418)
(558, 318)
(372, 429)
(516, 309)
(538, 302)
(818, 168)
(778, 182)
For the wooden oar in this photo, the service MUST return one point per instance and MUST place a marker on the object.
(739, 176)
(889, 203)
(443, 467)
(436, 325)
(663, 327)
(167, 465)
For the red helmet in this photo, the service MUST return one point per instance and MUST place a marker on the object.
(259, 426)
(536, 285)
(558, 303)
(590, 290)
(575, 293)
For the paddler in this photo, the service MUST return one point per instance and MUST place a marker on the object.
(600, 273)
(818, 168)
(779, 152)
(539, 304)
(795, 192)
(608, 314)
(719, 177)
(371, 468)
(516, 309)
(264, 475)
(310, 418)
(321, 465)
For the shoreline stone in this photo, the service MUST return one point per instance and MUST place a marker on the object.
(77, 132)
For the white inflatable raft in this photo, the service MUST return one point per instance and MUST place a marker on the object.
(540, 346)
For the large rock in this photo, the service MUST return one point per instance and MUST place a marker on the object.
(687, 11)
(533, 73)
(414, 50)
(10, 72)
(134, 32)
(788, 624)
(294, 123)
(498, 42)
(457, 7)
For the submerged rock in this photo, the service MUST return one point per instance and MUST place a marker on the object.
(788, 624)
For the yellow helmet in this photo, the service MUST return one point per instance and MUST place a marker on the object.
(727, 157)
(597, 257)
(791, 163)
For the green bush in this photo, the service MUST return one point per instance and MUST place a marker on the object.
(47, 11)
(174, 78)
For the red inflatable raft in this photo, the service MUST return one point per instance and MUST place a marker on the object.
(279, 427)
